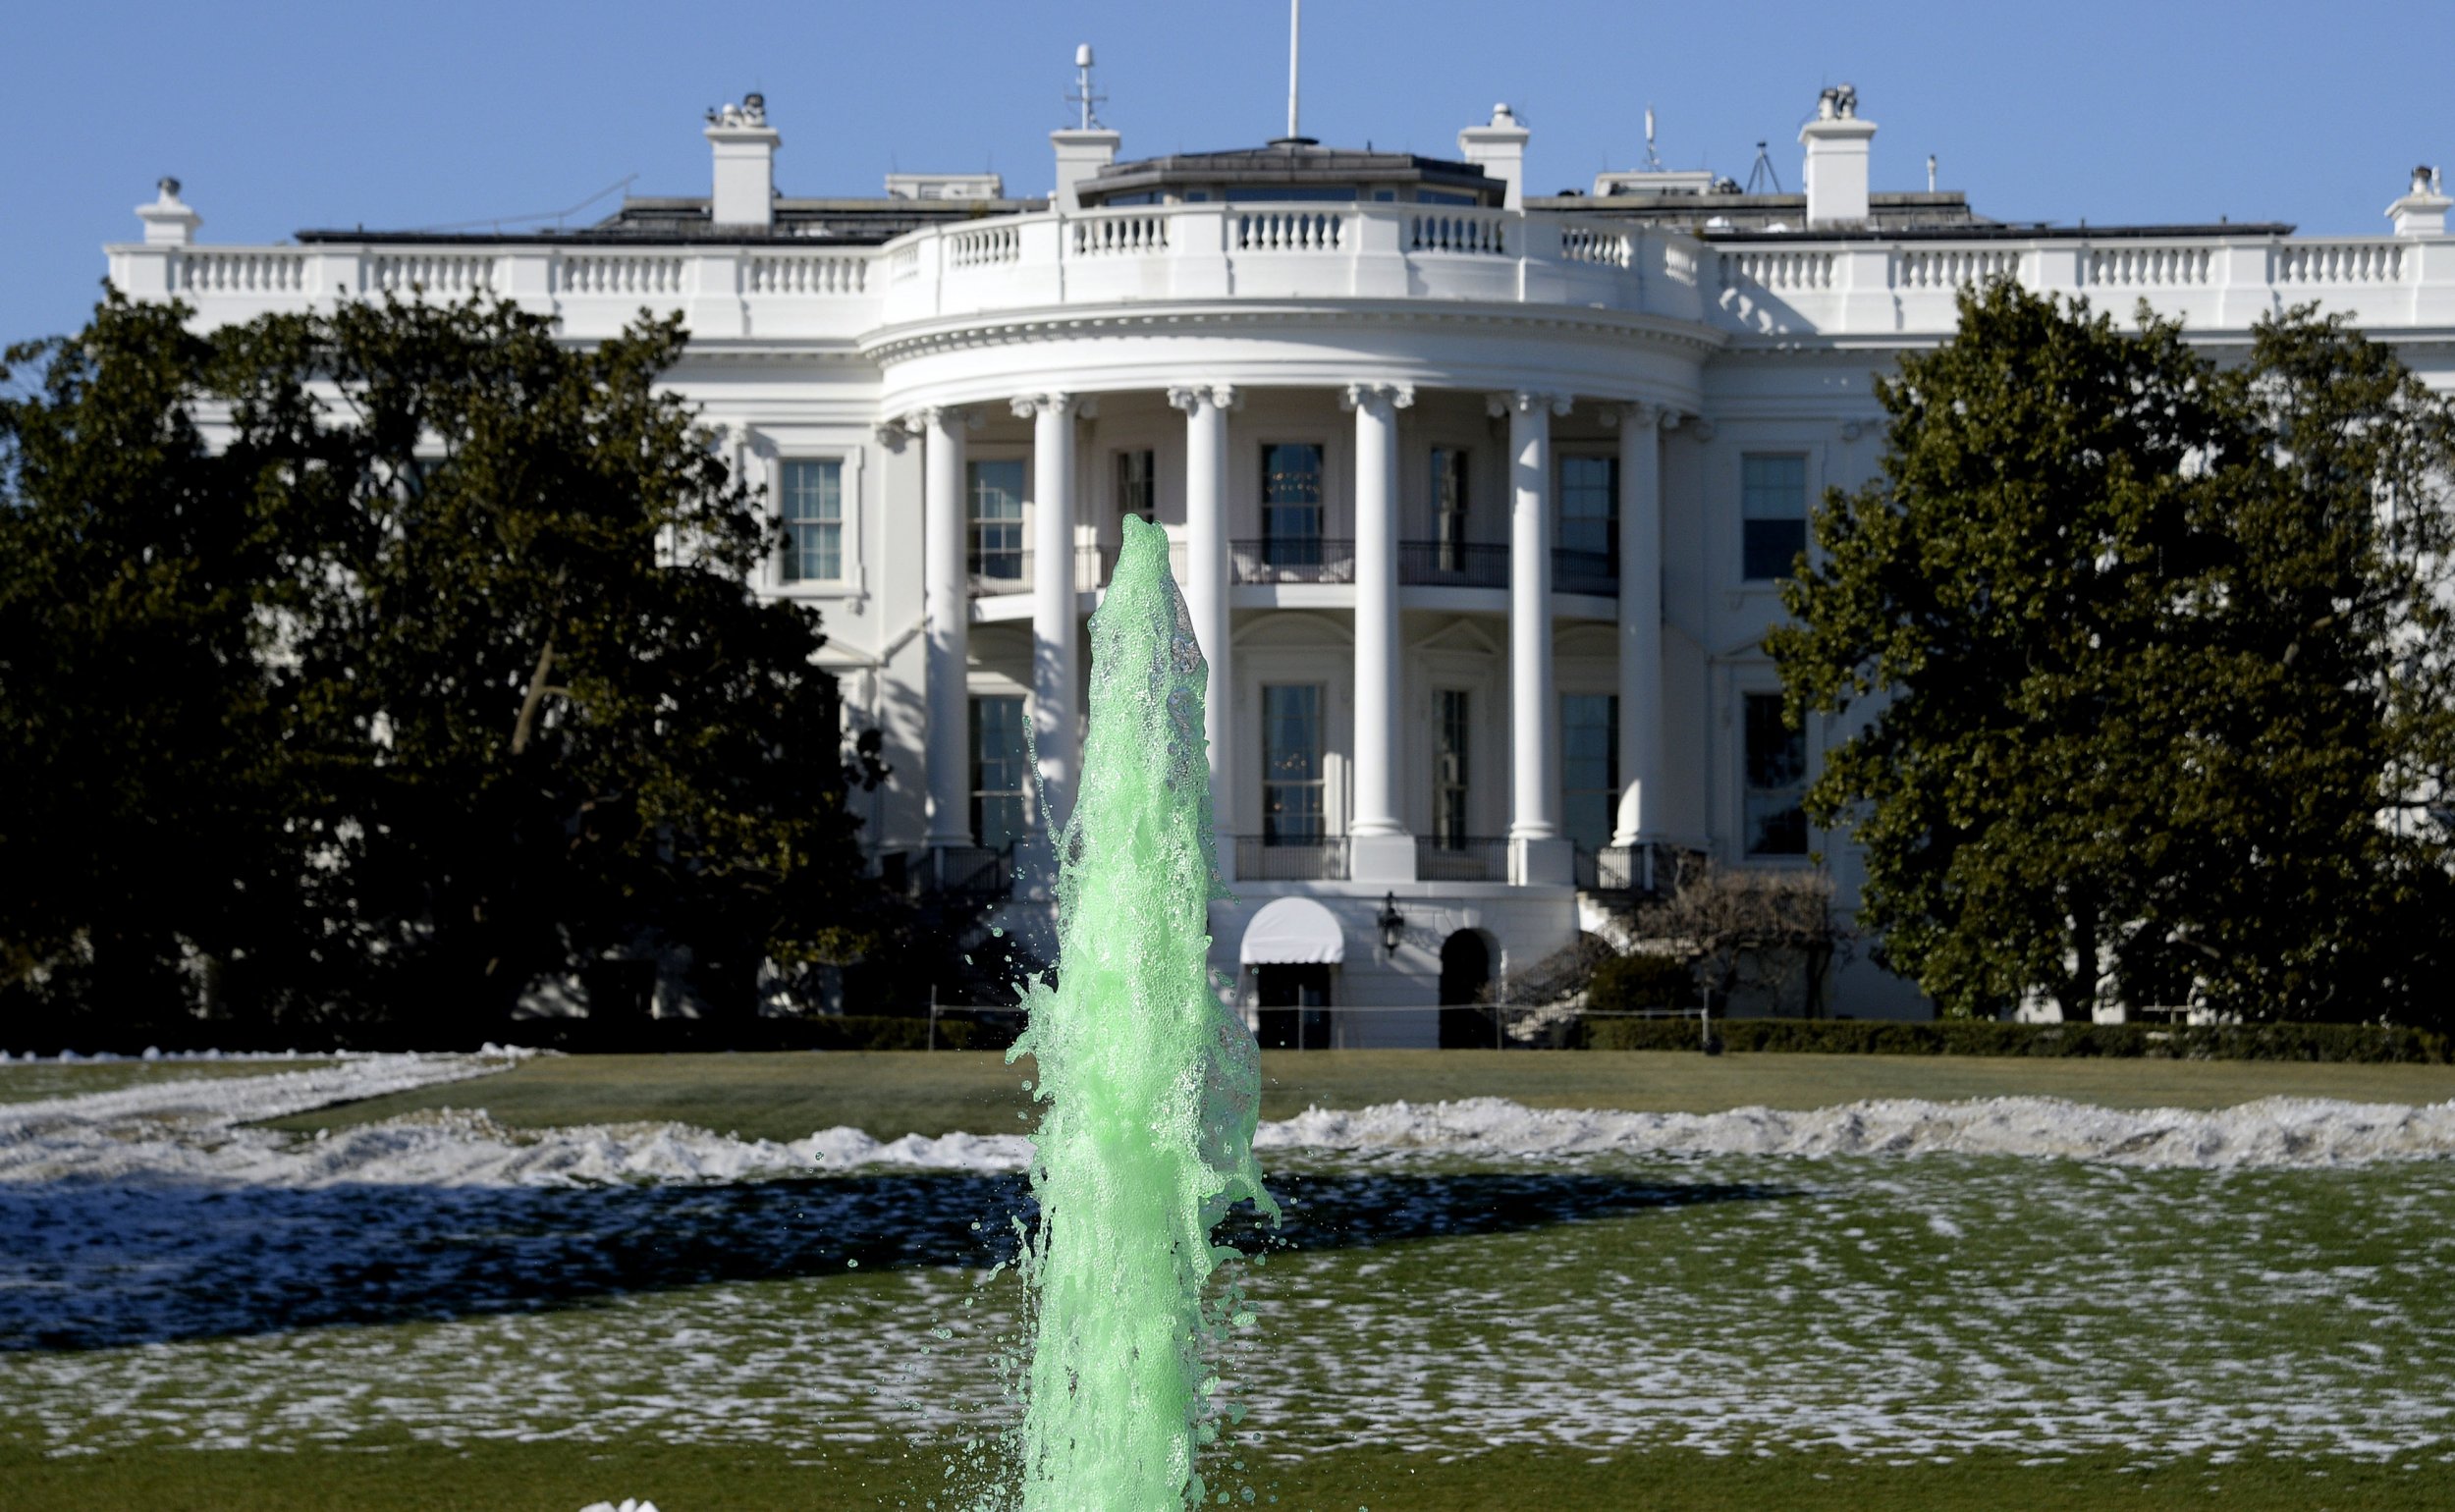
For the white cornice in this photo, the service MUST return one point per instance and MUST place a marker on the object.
(954, 333)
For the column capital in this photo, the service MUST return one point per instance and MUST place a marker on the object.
(892, 434)
(1527, 401)
(1377, 396)
(1218, 396)
(1028, 406)
(952, 416)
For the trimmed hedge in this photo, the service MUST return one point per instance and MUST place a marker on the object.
(2368, 1044)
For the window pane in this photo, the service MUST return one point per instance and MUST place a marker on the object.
(812, 507)
(1589, 494)
(1138, 492)
(1771, 547)
(1292, 492)
(1000, 770)
(1291, 765)
(1590, 767)
(1773, 511)
(996, 519)
(1776, 759)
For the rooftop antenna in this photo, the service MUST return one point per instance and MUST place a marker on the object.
(1930, 173)
(1764, 171)
(1295, 38)
(1653, 162)
(1083, 96)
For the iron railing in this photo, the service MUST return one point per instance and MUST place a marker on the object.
(1454, 563)
(972, 871)
(1299, 558)
(1461, 857)
(1282, 858)
(1650, 870)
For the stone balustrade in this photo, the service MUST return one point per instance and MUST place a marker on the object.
(1786, 288)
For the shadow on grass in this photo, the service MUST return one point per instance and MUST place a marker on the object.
(91, 1266)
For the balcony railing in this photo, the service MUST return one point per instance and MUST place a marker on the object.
(1281, 858)
(1651, 870)
(1454, 563)
(1585, 571)
(1461, 857)
(1303, 559)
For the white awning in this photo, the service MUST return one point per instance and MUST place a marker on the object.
(1293, 932)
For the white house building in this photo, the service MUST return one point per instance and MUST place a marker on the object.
(1478, 496)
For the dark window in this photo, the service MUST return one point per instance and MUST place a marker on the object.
(997, 521)
(1773, 515)
(1137, 485)
(1590, 767)
(1291, 505)
(1776, 780)
(1449, 772)
(1266, 193)
(1448, 506)
(999, 777)
(1291, 765)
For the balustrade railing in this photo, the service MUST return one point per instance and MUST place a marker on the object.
(2341, 262)
(1952, 267)
(1454, 563)
(1117, 235)
(1471, 232)
(2124, 265)
(619, 273)
(238, 271)
(437, 273)
(807, 273)
(984, 247)
(1289, 231)
(1593, 244)
(1777, 269)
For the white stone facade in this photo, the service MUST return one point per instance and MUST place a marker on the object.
(1499, 623)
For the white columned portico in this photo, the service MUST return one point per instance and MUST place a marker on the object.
(1640, 625)
(1206, 410)
(1053, 640)
(1538, 852)
(948, 611)
(1380, 849)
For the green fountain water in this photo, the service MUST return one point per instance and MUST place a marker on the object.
(1151, 1087)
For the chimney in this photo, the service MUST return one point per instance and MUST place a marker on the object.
(1500, 148)
(168, 222)
(1836, 160)
(2420, 213)
(746, 163)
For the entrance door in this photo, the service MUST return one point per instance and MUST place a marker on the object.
(1294, 1003)
(1465, 978)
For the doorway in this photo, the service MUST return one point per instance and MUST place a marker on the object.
(1466, 979)
(1294, 1004)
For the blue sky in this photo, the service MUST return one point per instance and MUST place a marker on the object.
(279, 116)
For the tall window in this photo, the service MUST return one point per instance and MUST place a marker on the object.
(1291, 765)
(1448, 771)
(1590, 507)
(1137, 484)
(999, 778)
(813, 512)
(1590, 767)
(1449, 508)
(1291, 505)
(996, 496)
(1773, 514)
(1776, 778)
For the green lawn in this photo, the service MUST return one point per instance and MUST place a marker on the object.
(785, 1096)
(33, 1081)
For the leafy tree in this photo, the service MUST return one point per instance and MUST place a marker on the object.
(514, 705)
(2145, 663)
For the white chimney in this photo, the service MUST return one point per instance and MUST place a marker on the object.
(1500, 148)
(1836, 160)
(168, 222)
(746, 163)
(1080, 155)
(2420, 213)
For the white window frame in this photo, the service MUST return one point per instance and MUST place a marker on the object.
(772, 448)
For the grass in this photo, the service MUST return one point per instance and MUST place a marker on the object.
(787, 1096)
(30, 1083)
(562, 1477)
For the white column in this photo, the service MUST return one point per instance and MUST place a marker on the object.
(1052, 639)
(1538, 852)
(1640, 625)
(948, 606)
(1206, 587)
(1379, 848)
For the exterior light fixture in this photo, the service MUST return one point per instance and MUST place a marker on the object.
(1393, 922)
